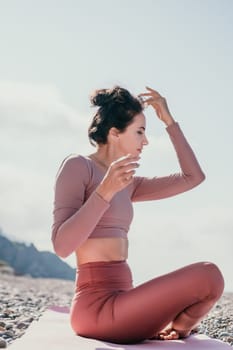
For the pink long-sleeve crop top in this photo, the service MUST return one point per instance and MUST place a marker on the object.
(81, 213)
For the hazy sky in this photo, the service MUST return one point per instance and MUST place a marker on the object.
(54, 53)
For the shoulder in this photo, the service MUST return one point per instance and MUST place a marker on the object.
(73, 164)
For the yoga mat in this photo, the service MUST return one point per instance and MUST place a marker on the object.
(53, 332)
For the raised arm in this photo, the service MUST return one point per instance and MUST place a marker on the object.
(191, 174)
(74, 217)
(162, 187)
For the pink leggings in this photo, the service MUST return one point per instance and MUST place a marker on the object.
(106, 306)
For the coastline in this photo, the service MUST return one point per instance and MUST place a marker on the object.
(24, 299)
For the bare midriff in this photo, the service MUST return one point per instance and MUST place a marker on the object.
(102, 249)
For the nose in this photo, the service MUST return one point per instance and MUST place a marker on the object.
(145, 141)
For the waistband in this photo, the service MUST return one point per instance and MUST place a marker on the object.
(104, 274)
(97, 264)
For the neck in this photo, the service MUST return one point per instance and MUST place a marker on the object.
(105, 155)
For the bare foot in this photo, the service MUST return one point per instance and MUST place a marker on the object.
(170, 333)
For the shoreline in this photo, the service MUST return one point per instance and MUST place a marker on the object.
(24, 299)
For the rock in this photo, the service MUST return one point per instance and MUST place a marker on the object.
(29, 320)
(9, 334)
(6, 269)
(3, 343)
(8, 312)
(22, 325)
(225, 334)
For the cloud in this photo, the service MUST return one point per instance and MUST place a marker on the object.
(35, 120)
(38, 129)
(36, 107)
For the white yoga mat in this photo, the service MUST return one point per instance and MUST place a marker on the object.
(53, 332)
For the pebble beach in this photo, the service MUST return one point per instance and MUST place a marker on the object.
(24, 299)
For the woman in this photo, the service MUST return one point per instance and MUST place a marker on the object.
(92, 215)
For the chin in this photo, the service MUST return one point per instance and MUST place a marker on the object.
(135, 153)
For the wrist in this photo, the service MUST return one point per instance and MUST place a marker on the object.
(102, 192)
(168, 120)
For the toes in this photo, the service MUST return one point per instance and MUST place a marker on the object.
(174, 335)
(169, 335)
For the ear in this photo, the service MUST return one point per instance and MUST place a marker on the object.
(113, 133)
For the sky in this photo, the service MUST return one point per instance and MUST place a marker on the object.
(53, 54)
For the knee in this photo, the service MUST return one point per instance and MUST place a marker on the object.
(214, 279)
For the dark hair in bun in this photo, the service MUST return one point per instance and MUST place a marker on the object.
(117, 108)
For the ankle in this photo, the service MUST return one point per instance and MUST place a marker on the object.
(184, 323)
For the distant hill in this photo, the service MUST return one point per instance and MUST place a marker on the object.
(27, 260)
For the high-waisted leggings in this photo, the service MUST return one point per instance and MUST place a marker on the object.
(106, 306)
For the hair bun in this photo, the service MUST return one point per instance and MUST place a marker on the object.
(101, 97)
(110, 97)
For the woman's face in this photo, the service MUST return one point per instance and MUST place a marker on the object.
(133, 139)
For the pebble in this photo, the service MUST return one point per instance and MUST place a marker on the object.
(3, 343)
(9, 326)
(225, 334)
(9, 334)
(21, 325)
(24, 299)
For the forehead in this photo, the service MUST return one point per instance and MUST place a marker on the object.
(139, 120)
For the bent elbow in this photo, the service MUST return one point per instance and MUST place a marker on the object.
(201, 178)
(60, 251)
(198, 179)
(60, 248)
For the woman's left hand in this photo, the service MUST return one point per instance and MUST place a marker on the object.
(159, 103)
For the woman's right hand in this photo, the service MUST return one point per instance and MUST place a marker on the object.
(118, 176)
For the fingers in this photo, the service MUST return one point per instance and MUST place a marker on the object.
(124, 164)
(127, 179)
(128, 174)
(125, 160)
(127, 171)
(124, 169)
(150, 100)
(151, 92)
